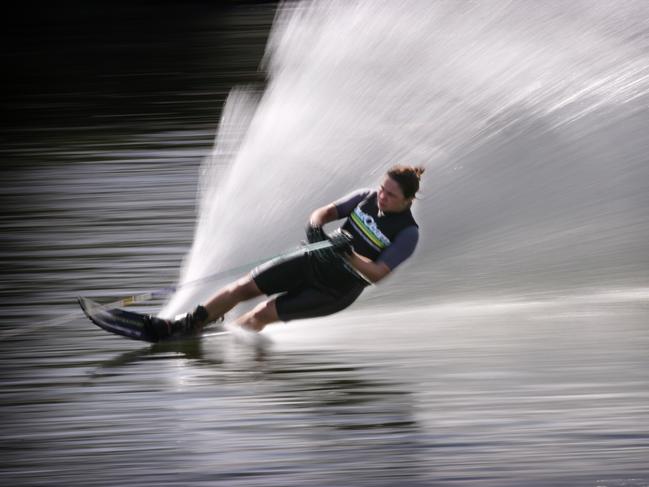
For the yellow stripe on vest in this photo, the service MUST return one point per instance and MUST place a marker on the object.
(360, 224)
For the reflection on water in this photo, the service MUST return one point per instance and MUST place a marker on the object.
(456, 397)
(191, 413)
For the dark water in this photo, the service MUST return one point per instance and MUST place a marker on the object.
(110, 112)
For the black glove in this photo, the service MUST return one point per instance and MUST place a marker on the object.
(341, 244)
(315, 233)
(341, 240)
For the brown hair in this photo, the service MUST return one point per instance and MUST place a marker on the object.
(408, 178)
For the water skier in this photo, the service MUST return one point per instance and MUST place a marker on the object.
(379, 233)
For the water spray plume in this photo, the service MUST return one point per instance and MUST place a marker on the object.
(529, 119)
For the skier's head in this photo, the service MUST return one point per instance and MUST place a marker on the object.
(399, 187)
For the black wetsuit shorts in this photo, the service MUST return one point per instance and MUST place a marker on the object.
(307, 288)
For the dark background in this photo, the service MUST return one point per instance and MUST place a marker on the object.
(75, 67)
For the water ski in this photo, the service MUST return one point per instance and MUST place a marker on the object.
(129, 324)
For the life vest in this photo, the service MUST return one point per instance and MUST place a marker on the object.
(373, 232)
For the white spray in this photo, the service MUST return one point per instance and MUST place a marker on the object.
(528, 116)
